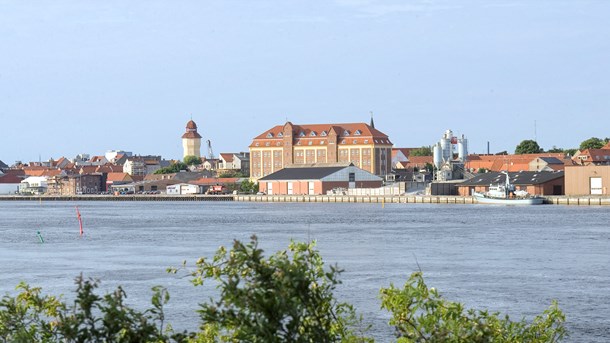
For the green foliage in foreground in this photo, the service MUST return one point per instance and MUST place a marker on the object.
(420, 314)
(286, 297)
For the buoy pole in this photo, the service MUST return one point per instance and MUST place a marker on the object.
(40, 237)
(80, 221)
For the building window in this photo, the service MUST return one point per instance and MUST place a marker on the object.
(280, 134)
(346, 133)
(355, 141)
(267, 144)
(323, 134)
(310, 143)
(366, 141)
(313, 134)
(270, 135)
(322, 142)
(358, 132)
(301, 134)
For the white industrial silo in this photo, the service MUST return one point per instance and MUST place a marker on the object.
(437, 155)
(462, 149)
(446, 146)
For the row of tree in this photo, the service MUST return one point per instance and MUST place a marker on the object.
(286, 297)
(529, 146)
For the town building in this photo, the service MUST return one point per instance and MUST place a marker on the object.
(75, 184)
(33, 185)
(290, 144)
(9, 183)
(317, 179)
(535, 183)
(513, 163)
(182, 189)
(593, 156)
(587, 180)
(235, 162)
(191, 140)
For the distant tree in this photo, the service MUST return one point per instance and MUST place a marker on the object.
(482, 170)
(592, 143)
(570, 152)
(248, 186)
(420, 314)
(231, 173)
(502, 153)
(173, 168)
(192, 160)
(555, 149)
(528, 146)
(423, 151)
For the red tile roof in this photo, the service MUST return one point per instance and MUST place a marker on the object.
(349, 133)
(119, 177)
(227, 157)
(213, 181)
(506, 162)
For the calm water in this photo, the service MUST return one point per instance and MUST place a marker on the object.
(509, 259)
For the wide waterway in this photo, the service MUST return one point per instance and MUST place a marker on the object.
(515, 260)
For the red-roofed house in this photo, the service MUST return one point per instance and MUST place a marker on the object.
(289, 144)
(510, 163)
(9, 183)
(593, 156)
(117, 179)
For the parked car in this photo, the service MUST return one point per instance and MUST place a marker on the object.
(261, 193)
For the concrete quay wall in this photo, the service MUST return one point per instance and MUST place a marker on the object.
(378, 199)
(136, 197)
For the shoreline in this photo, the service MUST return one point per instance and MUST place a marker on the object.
(379, 199)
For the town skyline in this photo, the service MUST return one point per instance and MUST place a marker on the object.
(87, 77)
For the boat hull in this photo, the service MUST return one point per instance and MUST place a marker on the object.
(482, 199)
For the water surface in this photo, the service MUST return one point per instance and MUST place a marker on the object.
(515, 260)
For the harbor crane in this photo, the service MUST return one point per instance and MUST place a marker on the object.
(210, 151)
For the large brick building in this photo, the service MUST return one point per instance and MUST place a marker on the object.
(289, 144)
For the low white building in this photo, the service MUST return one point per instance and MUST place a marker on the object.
(183, 189)
(33, 185)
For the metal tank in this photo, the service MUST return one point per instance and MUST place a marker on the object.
(462, 149)
(437, 155)
(446, 146)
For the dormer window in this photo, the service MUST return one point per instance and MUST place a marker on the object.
(270, 135)
(343, 141)
(346, 133)
(313, 134)
(323, 134)
(280, 134)
(358, 132)
(256, 144)
(301, 134)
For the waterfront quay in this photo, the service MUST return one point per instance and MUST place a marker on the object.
(378, 199)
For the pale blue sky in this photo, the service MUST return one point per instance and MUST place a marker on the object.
(82, 76)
